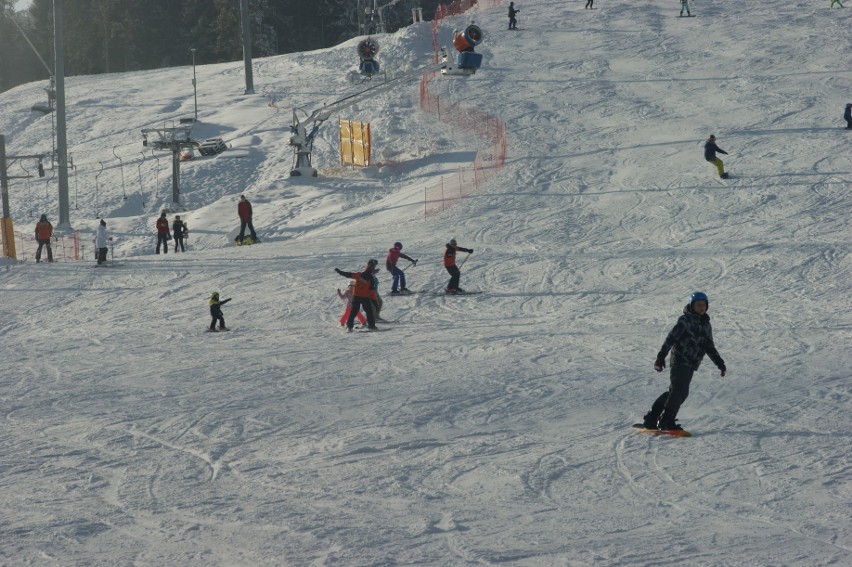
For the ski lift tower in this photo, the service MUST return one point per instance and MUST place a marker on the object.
(173, 139)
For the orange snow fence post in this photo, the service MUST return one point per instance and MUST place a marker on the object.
(8, 232)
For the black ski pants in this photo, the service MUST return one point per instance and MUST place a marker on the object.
(455, 276)
(666, 406)
(357, 304)
(42, 243)
(164, 240)
(243, 225)
(102, 252)
(179, 241)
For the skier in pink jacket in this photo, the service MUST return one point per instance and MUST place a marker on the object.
(394, 254)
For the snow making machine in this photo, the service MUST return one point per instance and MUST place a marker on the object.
(467, 60)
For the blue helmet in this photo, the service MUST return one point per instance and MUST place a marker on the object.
(698, 296)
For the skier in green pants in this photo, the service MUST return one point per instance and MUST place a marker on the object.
(833, 2)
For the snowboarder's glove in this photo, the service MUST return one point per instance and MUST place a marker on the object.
(660, 363)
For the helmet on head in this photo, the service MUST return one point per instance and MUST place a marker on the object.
(698, 296)
(452, 242)
(214, 295)
(397, 245)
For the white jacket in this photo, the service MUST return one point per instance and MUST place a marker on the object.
(101, 238)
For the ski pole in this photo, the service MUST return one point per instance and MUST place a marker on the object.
(465, 260)
(408, 266)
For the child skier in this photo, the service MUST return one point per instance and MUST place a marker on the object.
(684, 5)
(689, 340)
(394, 254)
(710, 149)
(216, 311)
(347, 297)
(363, 293)
(450, 265)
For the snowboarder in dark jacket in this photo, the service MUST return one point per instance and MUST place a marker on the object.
(710, 149)
(689, 340)
(216, 311)
(513, 22)
(847, 116)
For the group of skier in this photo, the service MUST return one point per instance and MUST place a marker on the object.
(363, 292)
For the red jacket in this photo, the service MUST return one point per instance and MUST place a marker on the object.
(244, 210)
(162, 226)
(43, 230)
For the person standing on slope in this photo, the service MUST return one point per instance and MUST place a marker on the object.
(394, 254)
(178, 227)
(245, 212)
(710, 149)
(363, 294)
(450, 265)
(101, 242)
(43, 234)
(513, 22)
(847, 116)
(689, 340)
(684, 5)
(163, 233)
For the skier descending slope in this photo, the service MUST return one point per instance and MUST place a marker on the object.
(689, 340)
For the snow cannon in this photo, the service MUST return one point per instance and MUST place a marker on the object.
(367, 50)
(467, 62)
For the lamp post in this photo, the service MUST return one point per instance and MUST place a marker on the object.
(194, 83)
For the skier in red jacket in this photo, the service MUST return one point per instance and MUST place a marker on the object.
(163, 234)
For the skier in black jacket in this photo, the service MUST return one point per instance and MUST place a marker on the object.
(710, 149)
(513, 22)
(689, 340)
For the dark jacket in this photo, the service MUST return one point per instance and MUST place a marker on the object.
(847, 114)
(162, 225)
(689, 340)
(512, 11)
(216, 307)
(710, 149)
(244, 210)
(178, 228)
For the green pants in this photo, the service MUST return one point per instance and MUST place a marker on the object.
(833, 2)
(719, 166)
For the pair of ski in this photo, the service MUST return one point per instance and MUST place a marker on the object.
(671, 432)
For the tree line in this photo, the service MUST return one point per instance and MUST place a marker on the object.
(110, 36)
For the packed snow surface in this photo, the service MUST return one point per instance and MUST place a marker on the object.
(490, 429)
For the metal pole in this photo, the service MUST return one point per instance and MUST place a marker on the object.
(244, 13)
(194, 83)
(176, 175)
(4, 181)
(7, 235)
(61, 142)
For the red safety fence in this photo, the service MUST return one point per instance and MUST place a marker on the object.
(488, 128)
(64, 247)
